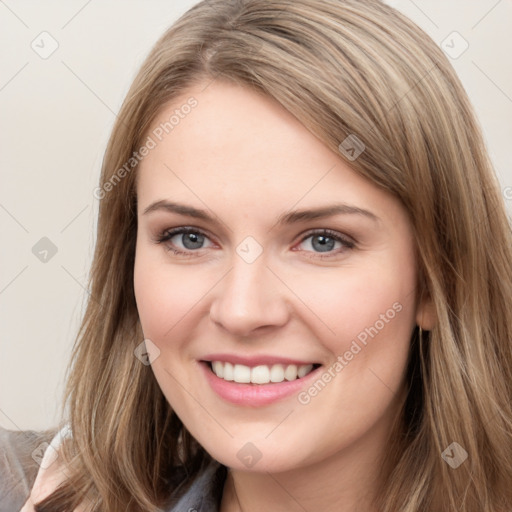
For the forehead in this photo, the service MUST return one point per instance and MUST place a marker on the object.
(237, 146)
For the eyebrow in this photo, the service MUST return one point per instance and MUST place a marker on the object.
(284, 219)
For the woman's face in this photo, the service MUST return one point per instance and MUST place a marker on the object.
(289, 259)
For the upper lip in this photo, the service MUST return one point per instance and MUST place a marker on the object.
(252, 361)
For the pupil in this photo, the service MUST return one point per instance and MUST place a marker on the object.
(193, 240)
(325, 243)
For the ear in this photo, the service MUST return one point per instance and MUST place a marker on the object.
(426, 317)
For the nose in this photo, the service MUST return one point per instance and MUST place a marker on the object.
(249, 298)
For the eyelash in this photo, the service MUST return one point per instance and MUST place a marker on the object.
(167, 234)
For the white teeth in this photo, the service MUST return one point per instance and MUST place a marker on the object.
(277, 373)
(304, 370)
(291, 372)
(261, 374)
(227, 374)
(218, 368)
(241, 373)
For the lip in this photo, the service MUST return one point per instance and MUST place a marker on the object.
(255, 395)
(254, 360)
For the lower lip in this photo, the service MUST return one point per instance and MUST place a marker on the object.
(255, 395)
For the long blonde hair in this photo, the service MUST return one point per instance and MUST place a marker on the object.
(343, 68)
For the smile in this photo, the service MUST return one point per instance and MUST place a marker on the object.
(260, 382)
(261, 374)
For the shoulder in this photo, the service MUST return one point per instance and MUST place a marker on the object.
(52, 471)
(18, 464)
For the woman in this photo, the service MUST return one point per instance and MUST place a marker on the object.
(301, 290)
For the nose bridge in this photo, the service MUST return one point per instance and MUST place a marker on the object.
(249, 297)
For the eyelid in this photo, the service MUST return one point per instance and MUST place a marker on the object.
(166, 234)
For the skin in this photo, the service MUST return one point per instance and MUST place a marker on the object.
(244, 159)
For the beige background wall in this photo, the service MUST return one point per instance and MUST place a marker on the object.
(56, 112)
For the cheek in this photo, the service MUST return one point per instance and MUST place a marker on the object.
(358, 392)
(372, 315)
(166, 299)
(165, 295)
(349, 304)
(373, 319)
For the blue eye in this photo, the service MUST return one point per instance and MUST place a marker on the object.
(189, 238)
(323, 243)
(326, 241)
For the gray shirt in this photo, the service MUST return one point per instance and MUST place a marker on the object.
(21, 453)
(205, 493)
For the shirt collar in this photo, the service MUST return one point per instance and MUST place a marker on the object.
(205, 492)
